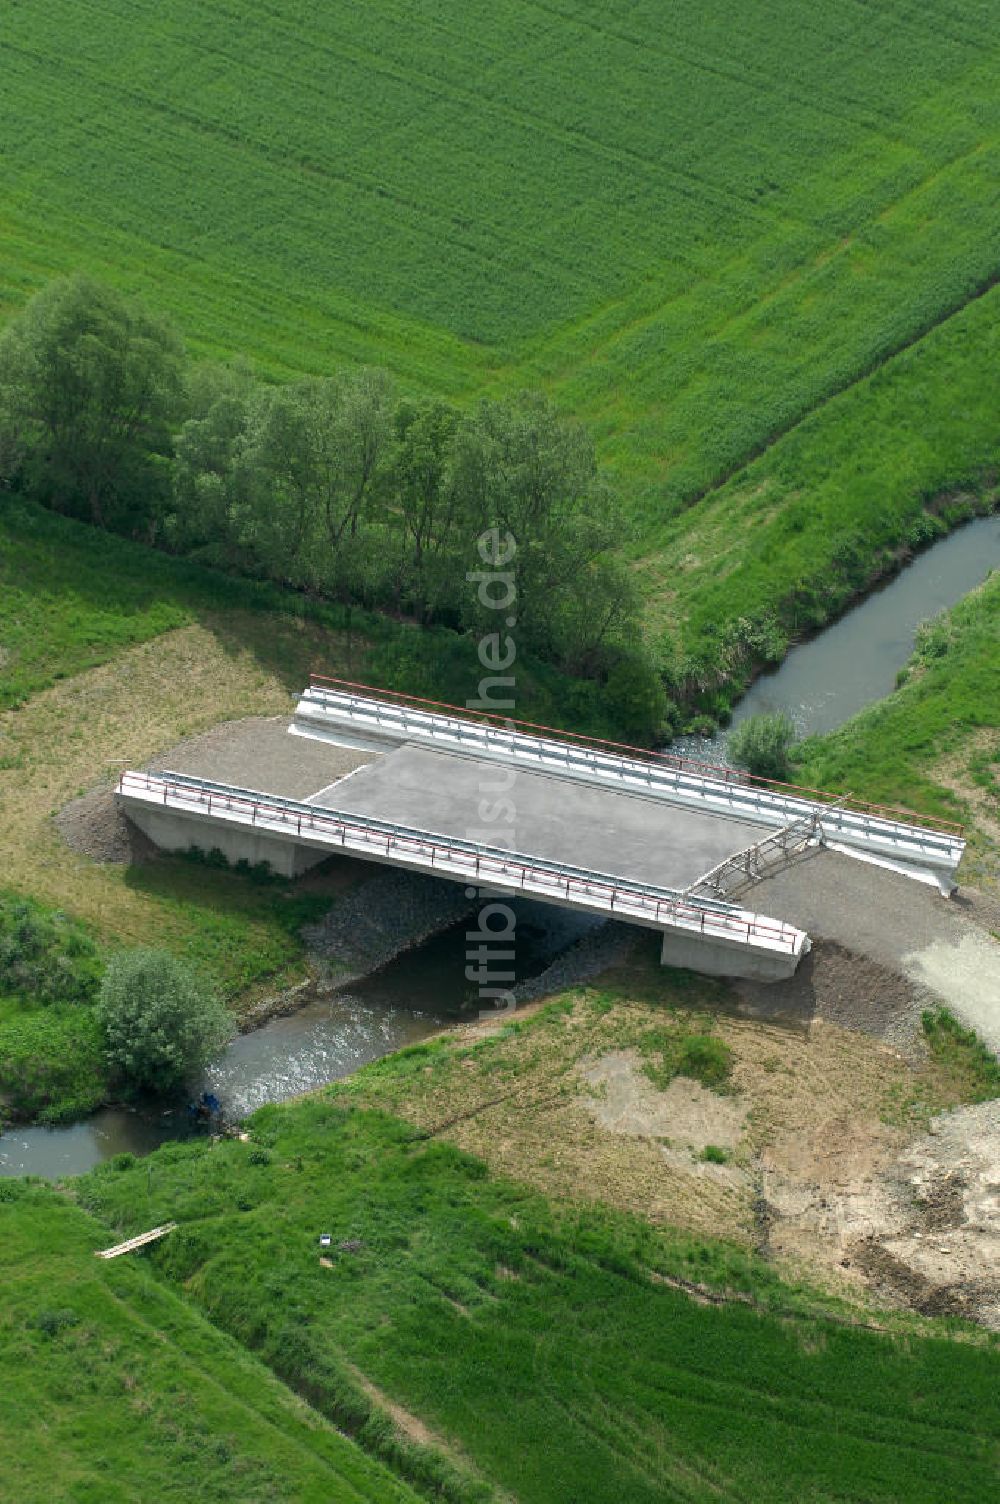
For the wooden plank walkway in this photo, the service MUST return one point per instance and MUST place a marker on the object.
(131, 1244)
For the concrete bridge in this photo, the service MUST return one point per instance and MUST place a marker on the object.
(651, 839)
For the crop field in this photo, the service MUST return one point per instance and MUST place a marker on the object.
(694, 225)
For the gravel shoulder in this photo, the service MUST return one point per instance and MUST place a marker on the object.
(254, 753)
(939, 949)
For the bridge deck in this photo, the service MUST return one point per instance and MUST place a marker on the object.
(553, 818)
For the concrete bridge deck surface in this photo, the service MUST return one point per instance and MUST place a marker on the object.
(624, 834)
(258, 753)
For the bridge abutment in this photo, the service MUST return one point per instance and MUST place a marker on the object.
(718, 958)
(172, 830)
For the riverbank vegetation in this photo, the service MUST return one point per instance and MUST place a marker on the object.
(933, 744)
(52, 1058)
(333, 486)
(160, 1023)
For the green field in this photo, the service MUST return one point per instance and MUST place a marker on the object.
(755, 249)
(694, 227)
(116, 1390)
(536, 1342)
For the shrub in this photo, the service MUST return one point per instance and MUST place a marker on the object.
(44, 955)
(668, 1053)
(713, 1155)
(705, 1058)
(762, 744)
(160, 1022)
(962, 1052)
(52, 1322)
(935, 637)
(51, 1061)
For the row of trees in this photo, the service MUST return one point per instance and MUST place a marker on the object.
(338, 486)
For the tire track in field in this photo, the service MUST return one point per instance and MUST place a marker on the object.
(755, 82)
(438, 89)
(752, 303)
(866, 370)
(284, 1392)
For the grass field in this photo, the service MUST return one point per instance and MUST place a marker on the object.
(695, 229)
(115, 1389)
(546, 1346)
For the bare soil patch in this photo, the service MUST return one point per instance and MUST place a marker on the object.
(953, 772)
(625, 1101)
(825, 1129)
(408, 1424)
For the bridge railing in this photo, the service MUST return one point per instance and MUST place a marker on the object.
(477, 864)
(608, 757)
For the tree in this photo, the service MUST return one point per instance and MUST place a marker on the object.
(761, 744)
(91, 384)
(204, 467)
(524, 470)
(307, 464)
(633, 699)
(160, 1023)
(424, 506)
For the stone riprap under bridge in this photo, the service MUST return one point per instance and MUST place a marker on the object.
(650, 839)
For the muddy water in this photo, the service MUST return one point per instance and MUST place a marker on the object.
(855, 662)
(415, 995)
(77, 1147)
(330, 1036)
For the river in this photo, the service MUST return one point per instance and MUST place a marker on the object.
(330, 1035)
(824, 682)
(821, 684)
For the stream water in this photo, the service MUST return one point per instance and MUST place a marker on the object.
(329, 1036)
(820, 684)
(854, 662)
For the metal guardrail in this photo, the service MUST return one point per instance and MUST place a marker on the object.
(737, 795)
(471, 861)
(623, 749)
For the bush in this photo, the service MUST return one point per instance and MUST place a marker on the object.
(51, 1061)
(762, 745)
(44, 955)
(701, 1057)
(961, 1051)
(705, 1058)
(935, 637)
(713, 1155)
(161, 1024)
